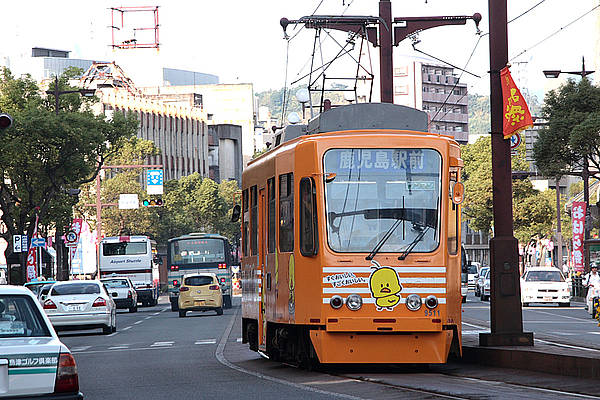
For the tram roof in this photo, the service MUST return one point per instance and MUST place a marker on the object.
(361, 116)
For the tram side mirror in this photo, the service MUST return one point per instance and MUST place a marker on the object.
(329, 177)
(457, 192)
(235, 214)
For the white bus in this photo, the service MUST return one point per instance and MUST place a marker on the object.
(136, 258)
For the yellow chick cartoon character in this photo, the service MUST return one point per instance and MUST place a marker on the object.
(385, 287)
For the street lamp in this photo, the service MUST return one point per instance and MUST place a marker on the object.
(554, 73)
(57, 93)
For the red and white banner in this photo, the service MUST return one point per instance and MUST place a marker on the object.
(32, 256)
(578, 216)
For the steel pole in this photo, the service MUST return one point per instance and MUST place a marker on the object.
(505, 300)
(386, 66)
(559, 261)
(98, 224)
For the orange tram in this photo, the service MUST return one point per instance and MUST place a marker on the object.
(350, 240)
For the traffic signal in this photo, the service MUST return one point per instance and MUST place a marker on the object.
(5, 121)
(158, 202)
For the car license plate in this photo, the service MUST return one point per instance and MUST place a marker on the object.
(74, 308)
(199, 302)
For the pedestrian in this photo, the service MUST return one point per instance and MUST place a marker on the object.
(592, 282)
(565, 269)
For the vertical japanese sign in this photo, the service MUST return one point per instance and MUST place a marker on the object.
(76, 229)
(578, 215)
(516, 113)
(32, 256)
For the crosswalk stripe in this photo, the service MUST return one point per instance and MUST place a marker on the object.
(159, 344)
(206, 341)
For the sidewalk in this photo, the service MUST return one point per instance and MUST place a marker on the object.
(563, 359)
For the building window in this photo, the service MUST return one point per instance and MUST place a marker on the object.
(253, 220)
(308, 217)
(457, 92)
(271, 245)
(286, 212)
(458, 128)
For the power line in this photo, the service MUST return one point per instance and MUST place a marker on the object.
(519, 16)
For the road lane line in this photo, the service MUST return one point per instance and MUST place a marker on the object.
(562, 316)
(112, 334)
(161, 344)
(127, 327)
(137, 322)
(206, 341)
(148, 317)
(156, 313)
(219, 354)
(80, 348)
(118, 347)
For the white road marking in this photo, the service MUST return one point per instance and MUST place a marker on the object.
(206, 341)
(118, 347)
(148, 317)
(112, 334)
(127, 327)
(137, 322)
(161, 344)
(80, 348)
(239, 340)
(156, 313)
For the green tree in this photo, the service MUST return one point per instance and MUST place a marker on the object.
(43, 153)
(532, 210)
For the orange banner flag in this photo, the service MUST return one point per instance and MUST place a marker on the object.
(516, 113)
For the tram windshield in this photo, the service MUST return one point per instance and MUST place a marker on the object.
(368, 191)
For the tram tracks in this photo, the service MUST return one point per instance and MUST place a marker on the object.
(421, 385)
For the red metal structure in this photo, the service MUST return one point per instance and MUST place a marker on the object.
(117, 18)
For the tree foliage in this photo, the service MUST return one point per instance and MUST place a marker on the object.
(46, 152)
(572, 132)
(532, 210)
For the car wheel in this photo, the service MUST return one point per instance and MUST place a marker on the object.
(220, 311)
(564, 304)
(107, 330)
(181, 313)
(525, 304)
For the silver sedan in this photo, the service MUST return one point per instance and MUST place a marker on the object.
(81, 305)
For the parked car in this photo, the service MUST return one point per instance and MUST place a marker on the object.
(473, 271)
(200, 292)
(36, 363)
(122, 291)
(544, 285)
(81, 305)
(485, 286)
(36, 286)
(479, 280)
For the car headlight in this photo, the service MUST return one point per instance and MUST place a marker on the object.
(487, 285)
(354, 302)
(336, 302)
(431, 301)
(413, 302)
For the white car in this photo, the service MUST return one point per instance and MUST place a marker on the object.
(122, 291)
(479, 280)
(81, 305)
(34, 363)
(485, 291)
(473, 271)
(544, 285)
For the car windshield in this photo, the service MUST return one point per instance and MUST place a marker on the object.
(472, 269)
(198, 280)
(75, 288)
(367, 191)
(544, 276)
(116, 283)
(20, 317)
(483, 271)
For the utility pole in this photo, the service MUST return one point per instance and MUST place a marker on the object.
(382, 31)
(505, 300)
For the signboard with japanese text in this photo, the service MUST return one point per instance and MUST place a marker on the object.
(128, 201)
(578, 216)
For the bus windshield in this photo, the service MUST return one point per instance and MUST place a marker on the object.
(374, 193)
(124, 248)
(195, 251)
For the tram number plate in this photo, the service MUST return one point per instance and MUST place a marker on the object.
(432, 313)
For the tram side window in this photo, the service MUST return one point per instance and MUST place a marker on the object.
(271, 216)
(253, 221)
(308, 217)
(286, 212)
(453, 226)
(245, 226)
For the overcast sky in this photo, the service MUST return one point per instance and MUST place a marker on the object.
(242, 41)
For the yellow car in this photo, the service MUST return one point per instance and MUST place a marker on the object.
(200, 292)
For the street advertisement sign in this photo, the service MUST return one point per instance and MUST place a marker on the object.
(128, 201)
(32, 257)
(578, 215)
(154, 181)
(17, 248)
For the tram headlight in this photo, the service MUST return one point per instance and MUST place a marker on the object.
(336, 302)
(431, 301)
(413, 302)
(354, 302)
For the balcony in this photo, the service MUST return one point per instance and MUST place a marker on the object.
(462, 100)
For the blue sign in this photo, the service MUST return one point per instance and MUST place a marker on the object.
(154, 177)
(38, 242)
(24, 245)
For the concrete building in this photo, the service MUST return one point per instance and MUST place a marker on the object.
(435, 89)
(225, 152)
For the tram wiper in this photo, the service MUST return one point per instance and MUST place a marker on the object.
(416, 241)
(382, 241)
